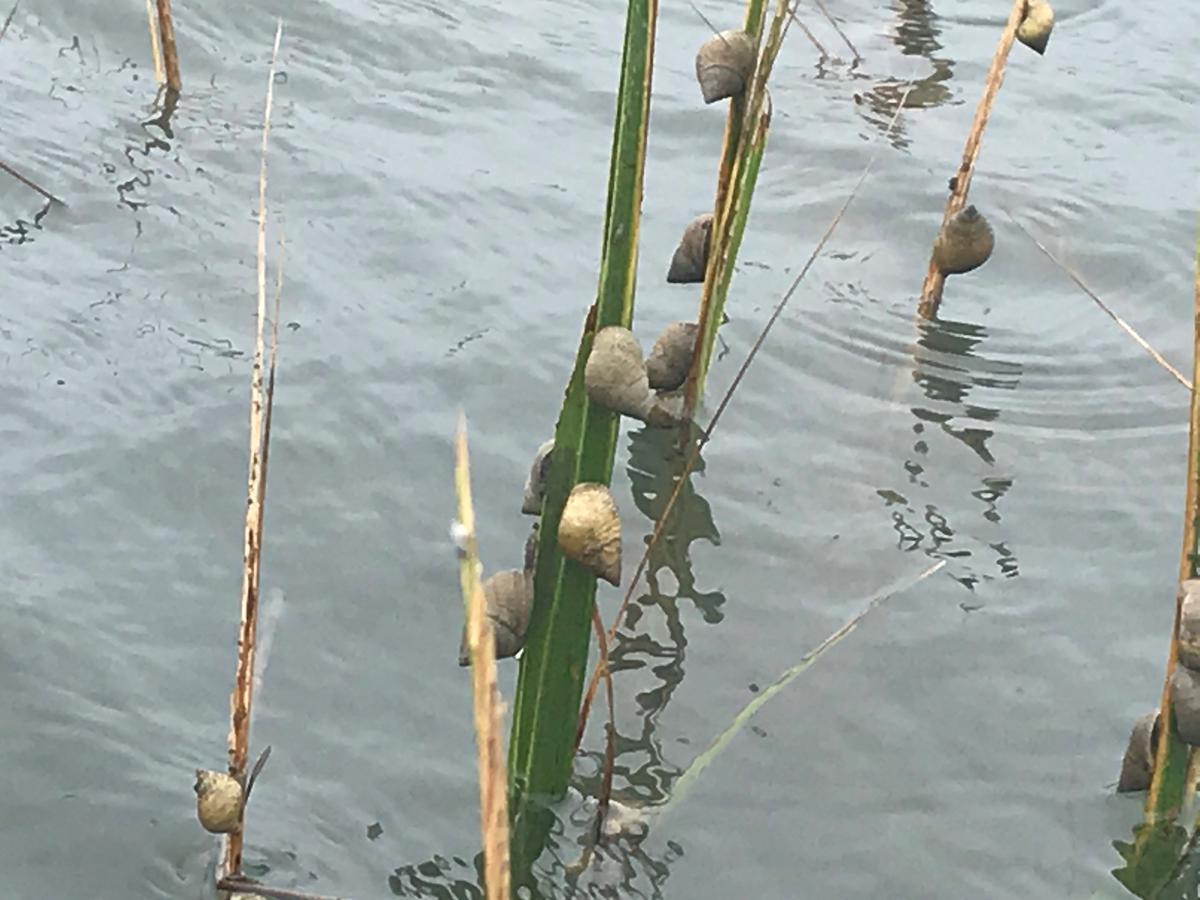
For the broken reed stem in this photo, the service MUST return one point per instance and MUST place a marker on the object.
(155, 47)
(706, 434)
(493, 780)
(935, 281)
(832, 21)
(260, 412)
(811, 37)
(1125, 326)
(611, 738)
(166, 29)
(5, 167)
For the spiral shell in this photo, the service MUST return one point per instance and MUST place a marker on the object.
(508, 599)
(964, 243)
(1137, 768)
(1185, 702)
(218, 801)
(590, 531)
(724, 64)
(668, 363)
(691, 256)
(1034, 30)
(535, 484)
(615, 376)
(1189, 623)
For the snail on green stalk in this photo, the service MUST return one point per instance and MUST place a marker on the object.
(690, 259)
(508, 598)
(1137, 768)
(1038, 22)
(615, 377)
(1185, 703)
(589, 531)
(724, 65)
(964, 243)
(669, 360)
(1189, 623)
(535, 484)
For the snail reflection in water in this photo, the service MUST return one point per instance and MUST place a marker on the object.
(724, 65)
(1038, 22)
(964, 243)
(690, 259)
(590, 531)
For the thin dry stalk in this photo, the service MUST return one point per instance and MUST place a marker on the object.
(1125, 326)
(493, 782)
(935, 281)
(166, 28)
(706, 434)
(811, 37)
(8, 19)
(5, 167)
(241, 701)
(611, 738)
(832, 21)
(155, 47)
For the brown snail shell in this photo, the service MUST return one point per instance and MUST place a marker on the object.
(668, 363)
(691, 256)
(218, 801)
(508, 599)
(1185, 702)
(964, 243)
(615, 376)
(590, 531)
(1189, 624)
(724, 64)
(535, 484)
(1137, 768)
(1034, 30)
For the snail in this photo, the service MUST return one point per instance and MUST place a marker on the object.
(218, 801)
(1189, 624)
(1137, 768)
(508, 598)
(590, 531)
(1034, 30)
(531, 549)
(964, 243)
(535, 484)
(724, 64)
(666, 410)
(1185, 702)
(669, 360)
(691, 256)
(615, 376)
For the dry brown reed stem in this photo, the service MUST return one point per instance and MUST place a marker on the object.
(1125, 326)
(493, 781)
(832, 21)
(8, 19)
(240, 703)
(5, 167)
(166, 30)
(808, 34)
(155, 47)
(935, 281)
(706, 434)
(611, 737)
(238, 885)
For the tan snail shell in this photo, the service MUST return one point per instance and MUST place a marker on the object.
(218, 801)
(1185, 703)
(964, 243)
(1034, 30)
(724, 64)
(508, 598)
(590, 531)
(535, 484)
(666, 410)
(691, 256)
(668, 363)
(1137, 768)
(615, 376)
(1189, 624)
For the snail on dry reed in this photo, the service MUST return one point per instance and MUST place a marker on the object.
(535, 484)
(724, 65)
(964, 243)
(690, 259)
(508, 599)
(1038, 22)
(218, 801)
(669, 360)
(1137, 768)
(590, 531)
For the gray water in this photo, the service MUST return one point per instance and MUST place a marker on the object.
(440, 171)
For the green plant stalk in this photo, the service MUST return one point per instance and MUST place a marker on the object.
(550, 682)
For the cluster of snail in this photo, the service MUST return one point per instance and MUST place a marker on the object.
(617, 378)
(589, 532)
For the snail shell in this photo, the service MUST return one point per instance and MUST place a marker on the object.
(1034, 30)
(964, 243)
(669, 360)
(1185, 701)
(1189, 624)
(508, 598)
(667, 410)
(691, 256)
(531, 549)
(218, 801)
(590, 531)
(615, 376)
(1137, 768)
(535, 484)
(724, 64)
